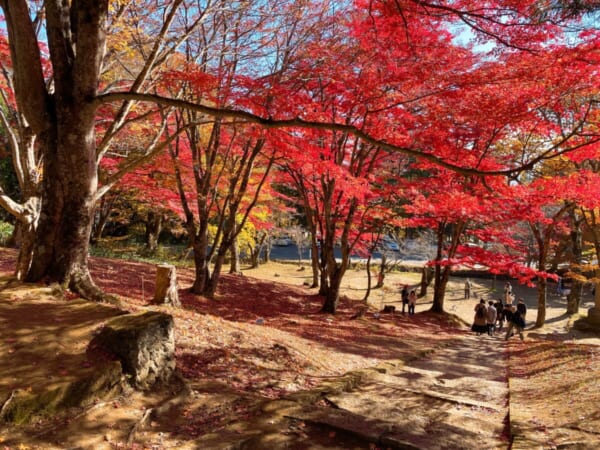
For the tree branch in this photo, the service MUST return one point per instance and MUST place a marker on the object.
(326, 126)
(153, 149)
(30, 89)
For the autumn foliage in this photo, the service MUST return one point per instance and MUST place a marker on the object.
(447, 116)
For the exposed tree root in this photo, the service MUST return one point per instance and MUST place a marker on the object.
(81, 283)
(7, 404)
(583, 430)
(181, 396)
(87, 410)
(360, 313)
(139, 425)
(330, 403)
(10, 283)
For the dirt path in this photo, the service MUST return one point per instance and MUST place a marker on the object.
(453, 398)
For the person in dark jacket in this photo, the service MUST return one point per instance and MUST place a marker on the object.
(404, 295)
(522, 308)
(516, 322)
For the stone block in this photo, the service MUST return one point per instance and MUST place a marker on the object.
(145, 345)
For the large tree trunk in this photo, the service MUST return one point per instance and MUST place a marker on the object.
(541, 314)
(333, 294)
(369, 282)
(63, 121)
(234, 265)
(574, 297)
(201, 262)
(154, 224)
(441, 277)
(69, 186)
(60, 250)
(427, 275)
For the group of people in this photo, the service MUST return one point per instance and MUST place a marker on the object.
(490, 317)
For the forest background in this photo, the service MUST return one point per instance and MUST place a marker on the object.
(477, 124)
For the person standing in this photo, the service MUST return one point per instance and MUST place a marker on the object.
(468, 286)
(516, 322)
(522, 308)
(508, 293)
(404, 295)
(412, 301)
(480, 325)
(491, 317)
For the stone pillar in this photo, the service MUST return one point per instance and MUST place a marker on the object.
(166, 285)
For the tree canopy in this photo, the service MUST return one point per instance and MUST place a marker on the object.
(445, 113)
